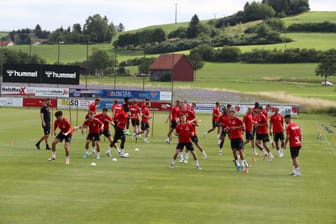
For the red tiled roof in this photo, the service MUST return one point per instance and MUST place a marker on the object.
(166, 61)
(4, 42)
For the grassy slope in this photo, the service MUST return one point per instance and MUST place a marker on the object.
(311, 17)
(142, 189)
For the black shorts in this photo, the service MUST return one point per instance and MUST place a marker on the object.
(135, 122)
(223, 133)
(119, 134)
(215, 124)
(295, 151)
(144, 126)
(173, 124)
(46, 129)
(237, 144)
(189, 146)
(62, 137)
(249, 135)
(107, 133)
(278, 136)
(194, 139)
(263, 137)
(93, 137)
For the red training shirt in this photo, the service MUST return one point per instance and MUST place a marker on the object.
(215, 114)
(135, 111)
(122, 118)
(115, 110)
(105, 119)
(94, 125)
(277, 122)
(93, 108)
(261, 119)
(184, 131)
(145, 111)
(294, 135)
(248, 121)
(174, 113)
(63, 125)
(235, 133)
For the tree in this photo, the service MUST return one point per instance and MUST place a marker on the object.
(99, 29)
(196, 60)
(100, 61)
(77, 28)
(288, 7)
(195, 27)
(327, 67)
(144, 66)
(256, 11)
(120, 28)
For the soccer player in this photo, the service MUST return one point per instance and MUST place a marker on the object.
(192, 119)
(184, 131)
(93, 108)
(276, 130)
(135, 111)
(115, 110)
(95, 128)
(215, 117)
(145, 117)
(120, 126)
(106, 120)
(223, 122)
(173, 120)
(248, 123)
(234, 128)
(295, 143)
(262, 138)
(45, 119)
(65, 134)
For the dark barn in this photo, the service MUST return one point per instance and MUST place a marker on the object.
(177, 64)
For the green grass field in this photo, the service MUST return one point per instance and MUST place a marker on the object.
(311, 17)
(142, 189)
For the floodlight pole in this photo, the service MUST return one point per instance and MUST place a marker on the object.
(30, 51)
(87, 63)
(115, 67)
(143, 76)
(2, 56)
(172, 79)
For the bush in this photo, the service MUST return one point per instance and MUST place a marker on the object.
(313, 27)
(168, 46)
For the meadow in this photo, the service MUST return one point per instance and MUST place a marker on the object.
(142, 189)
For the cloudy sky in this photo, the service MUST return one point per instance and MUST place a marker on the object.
(133, 14)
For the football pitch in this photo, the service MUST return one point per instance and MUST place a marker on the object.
(142, 189)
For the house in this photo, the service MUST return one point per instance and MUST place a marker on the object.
(176, 64)
(6, 43)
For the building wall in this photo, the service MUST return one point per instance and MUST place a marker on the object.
(183, 71)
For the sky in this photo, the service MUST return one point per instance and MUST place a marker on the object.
(17, 14)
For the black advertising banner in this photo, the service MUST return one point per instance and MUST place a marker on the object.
(21, 73)
(44, 74)
(60, 74)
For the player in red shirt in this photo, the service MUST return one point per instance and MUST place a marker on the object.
(106, 120)
(65, 134)
(215, 118)
(115, 109)
(135, 111)
(261, 125)
(248, 124)
(223, 122)
(234, 128)
(184, 131)
(295, 143)
(172, 120)
(120, 126)
(145, 117)
(95, 128)
(276, 130)
(93, 108)
(192, 119)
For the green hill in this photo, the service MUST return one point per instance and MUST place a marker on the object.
(311, 17)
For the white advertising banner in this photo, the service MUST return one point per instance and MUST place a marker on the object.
(73, 103)
(11, 102)
(241, 109)
(34, 91)
(165, 96)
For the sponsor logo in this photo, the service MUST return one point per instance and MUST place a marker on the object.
(52, 74)
(14, 73)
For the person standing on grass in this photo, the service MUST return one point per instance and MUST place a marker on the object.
(192, 119)
(145, 117)
(184, 131)
(294, 138)
(106, 120)
(276, 130)
(215, 117)
(95, 128)
(45, 119)
(135, 111)
(65, 134)
(261, 125)
(248, 123)
(120, 126)
(234, 129)
(223, 122)
(93, 108)
(173, 116)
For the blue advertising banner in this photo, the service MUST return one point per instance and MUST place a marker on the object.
(120, 94)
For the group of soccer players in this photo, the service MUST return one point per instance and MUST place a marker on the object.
(258, 124)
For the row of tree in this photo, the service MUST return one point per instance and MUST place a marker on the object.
(324, 27)
(234, 54)
(96, 29)
(265, 9)
(144, 37)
